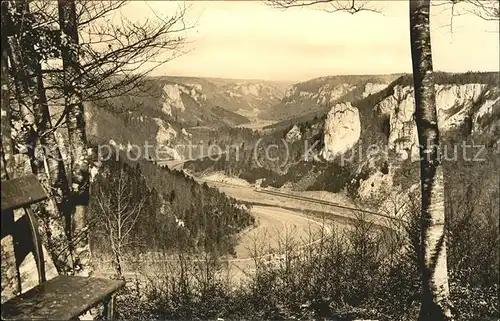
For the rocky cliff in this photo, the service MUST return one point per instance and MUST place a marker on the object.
(195, 104)
(342, 130)
(371, 88)
(468, 108)
(373, 136)
(457, 106)
(471, 108)
(133, 128)
(230, 94)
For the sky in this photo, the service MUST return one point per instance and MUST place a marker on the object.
(250, 40)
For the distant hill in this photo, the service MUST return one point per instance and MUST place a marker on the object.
(169, 110)
(237, 94)
(229, 117)
(228, 94)
(320, 94)
(192, 101)
(177, 110)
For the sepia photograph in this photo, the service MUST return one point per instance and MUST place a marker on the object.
(250, 160)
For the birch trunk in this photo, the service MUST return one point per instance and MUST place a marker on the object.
(76, 134)
(435, 292)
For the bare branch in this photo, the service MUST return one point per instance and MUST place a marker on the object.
(487, 10)
(116, 54)
(331, 6)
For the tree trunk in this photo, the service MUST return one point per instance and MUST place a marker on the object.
(5, 140)
(76, 134)
(435, 297)
(30, 103)
(48, 165)
(56, 171)
(24, 132)
(118, 263)
(51, 152)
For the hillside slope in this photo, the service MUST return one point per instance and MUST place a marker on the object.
(177, 213)
(362, 145)
(162, 110)
(320, 94)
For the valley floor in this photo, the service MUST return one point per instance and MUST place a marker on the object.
(279, 218)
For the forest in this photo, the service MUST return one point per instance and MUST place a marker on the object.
(162, 211)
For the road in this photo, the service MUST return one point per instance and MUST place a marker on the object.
(336, 210)
(274, 222)
(276, 228)
(281, 217)
(275, 225)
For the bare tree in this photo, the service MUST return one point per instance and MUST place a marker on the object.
(50, 152)
(331, 6)
(112, 60)
(48, 163)
(24, 129)
(488, 10)
(77, 138)
(117, 209)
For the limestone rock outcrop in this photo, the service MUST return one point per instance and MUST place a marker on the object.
(342, 130)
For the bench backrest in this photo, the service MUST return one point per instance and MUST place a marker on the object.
(21, 193)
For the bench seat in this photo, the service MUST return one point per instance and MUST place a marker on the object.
(61, 298)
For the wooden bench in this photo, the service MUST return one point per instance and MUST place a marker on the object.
(63, 297)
